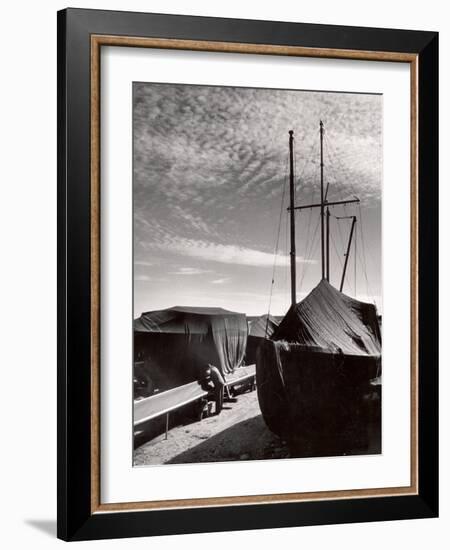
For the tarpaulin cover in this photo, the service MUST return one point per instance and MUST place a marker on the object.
(325, 399)
(259, 328)
(314, 374)
(263, 327)
(178, 343)
(328, 319)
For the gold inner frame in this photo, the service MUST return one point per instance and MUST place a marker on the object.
(97, 41)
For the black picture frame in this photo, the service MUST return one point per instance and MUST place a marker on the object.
(76, 519)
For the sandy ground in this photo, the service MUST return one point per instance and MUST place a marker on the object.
(237, 433)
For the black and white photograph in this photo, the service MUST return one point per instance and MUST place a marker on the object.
(223, 221)
(257, 273)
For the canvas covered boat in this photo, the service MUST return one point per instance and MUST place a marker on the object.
(259, 329)
(317, 374)
(176, 344)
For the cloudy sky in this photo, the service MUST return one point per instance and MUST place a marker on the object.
(210, 182)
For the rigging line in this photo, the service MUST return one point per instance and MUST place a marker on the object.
(330, 168)
(331, 174)
(298, 179)
(336, 252)
(307, 241)
(309, 255)
(308, 158)
(342, 168)
(362, 258)
(308, 252)
(308, 161)
(333, 160)
(341, 194)
(363, 242)
(308, 230)
(341, 187)
(341, 239)
(277, 241)
(368, 289)
(363, 269)
(363, 262)
(316, 245)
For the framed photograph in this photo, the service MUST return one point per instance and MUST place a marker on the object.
(247, 253)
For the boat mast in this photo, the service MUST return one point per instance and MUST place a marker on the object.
(323, 203)
(327, 272)
(322, 233)
(347, 254)
(292, 212)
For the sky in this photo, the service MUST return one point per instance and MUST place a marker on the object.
(210, 194)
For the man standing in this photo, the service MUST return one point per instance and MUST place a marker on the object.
(218, 382)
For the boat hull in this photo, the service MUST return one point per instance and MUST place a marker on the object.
(321, 403)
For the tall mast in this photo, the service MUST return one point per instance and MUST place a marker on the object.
(322, 233)
(325, 247)
(328, 246)
(292, 213)
(347, 254)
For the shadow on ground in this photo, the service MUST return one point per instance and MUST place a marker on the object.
(250, 440)
(46, 526)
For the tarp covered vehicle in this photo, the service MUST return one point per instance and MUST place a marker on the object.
(318, 377)
(259, 329)
(178, 343)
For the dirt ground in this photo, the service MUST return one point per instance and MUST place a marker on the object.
(237, 433)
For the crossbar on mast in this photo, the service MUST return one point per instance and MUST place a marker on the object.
(326, 203)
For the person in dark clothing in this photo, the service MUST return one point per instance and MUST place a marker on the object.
(142, 383)
(217, 380)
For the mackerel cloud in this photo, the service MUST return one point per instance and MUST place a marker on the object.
(210, 163)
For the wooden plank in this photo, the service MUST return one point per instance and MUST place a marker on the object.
(162, 403)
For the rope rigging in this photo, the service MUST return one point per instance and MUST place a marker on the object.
(283, 194)
(309, 159)
(335, 187)
(363, 261)
(335, 250)
(312, 249)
